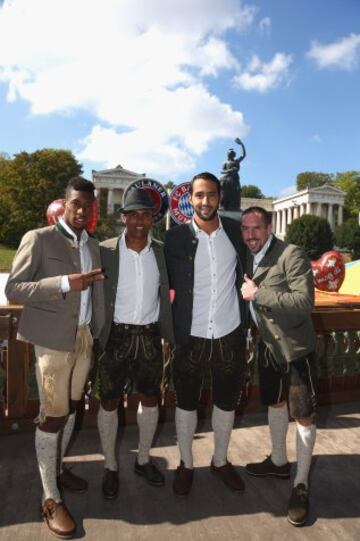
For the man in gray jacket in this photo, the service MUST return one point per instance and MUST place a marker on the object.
(56, 275)
(281, 297)
(138, 316)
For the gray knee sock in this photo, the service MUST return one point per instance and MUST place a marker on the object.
(305, 441)
(108, 422)
(185, 422)
(66, 436)
(46, 445)
(278, 425)
(222, 423)
(147, 420)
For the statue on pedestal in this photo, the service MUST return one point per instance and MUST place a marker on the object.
(230, 179)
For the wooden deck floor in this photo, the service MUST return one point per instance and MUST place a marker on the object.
(210, 512)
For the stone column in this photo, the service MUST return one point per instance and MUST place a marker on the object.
(318, 210)
(302, 209)
(308, 208)
(273, 221)
(296, 212)
(283, 222)
(110, 201)
(340, 215)
(330, 216)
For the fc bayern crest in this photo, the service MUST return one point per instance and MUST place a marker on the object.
(181, 209)
(157, 192)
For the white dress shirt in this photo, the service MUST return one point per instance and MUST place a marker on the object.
(137, 297)
(257, 258)
(86, 266)
(216, 310)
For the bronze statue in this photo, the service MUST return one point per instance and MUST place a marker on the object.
(230, 180)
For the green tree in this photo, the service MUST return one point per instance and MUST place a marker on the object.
(29, 182)
(312, 179)
(348, 236)
(349, 182)
(311, 233)
(250, 190)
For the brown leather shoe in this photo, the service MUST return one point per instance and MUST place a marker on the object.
(229, 476)
(110, 484)
(58, 519)
(183, 480)
(67, 480)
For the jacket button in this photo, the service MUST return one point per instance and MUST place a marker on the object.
(277, 337)
(190, 257)
(271, 320)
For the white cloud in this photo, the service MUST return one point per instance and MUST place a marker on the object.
(316, 138)
(342, 54)
(265, 25)
(140, 68)
(263, 77)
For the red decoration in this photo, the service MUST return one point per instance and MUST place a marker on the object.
(329, 271)
(56, 209)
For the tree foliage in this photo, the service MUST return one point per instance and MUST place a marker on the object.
(348, 236)
(312, 179)
(349, 182)
(250, 190)
(29, 182)
(311, 233)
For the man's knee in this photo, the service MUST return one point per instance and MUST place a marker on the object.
(149, 401)
(52, 424)
(110, 404)
(305, 421)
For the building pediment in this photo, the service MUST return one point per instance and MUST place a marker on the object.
(326, 189)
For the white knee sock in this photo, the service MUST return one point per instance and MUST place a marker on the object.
(222, 423)
(278, 425)
(66, 436)
(305, 441)
(46, 445)
(147, 420)
(185, 422)
(108, 422)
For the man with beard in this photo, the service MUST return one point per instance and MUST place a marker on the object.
(281, 296)
(205, 263)
(138, 316)
(52, 276)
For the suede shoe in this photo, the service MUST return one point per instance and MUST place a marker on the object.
(58, 519)
(183, 480)
(229, 476)
(110, 484)
(267, 468)
(71, 482)
(150, 473)
(298, 509)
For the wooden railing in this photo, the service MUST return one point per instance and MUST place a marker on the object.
(338, 331)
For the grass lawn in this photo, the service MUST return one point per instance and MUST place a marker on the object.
(6, 257)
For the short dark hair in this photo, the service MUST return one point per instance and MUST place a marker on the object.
(205, 176)
(258, 210)
(79, 184)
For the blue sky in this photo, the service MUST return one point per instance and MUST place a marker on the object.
(164, 87)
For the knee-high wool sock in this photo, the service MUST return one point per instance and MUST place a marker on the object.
(278, 425)
(66, 436)
(147, 420)
(222, 423)
(185, 422)
(46, 445)
(108, 422)
(305, 441)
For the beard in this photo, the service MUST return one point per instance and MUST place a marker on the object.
(206, 217)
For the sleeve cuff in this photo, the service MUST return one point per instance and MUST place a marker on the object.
(64, 284)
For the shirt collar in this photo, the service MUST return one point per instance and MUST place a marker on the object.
(198, 231)
(143, 251)
(84, 237)
(258, 257)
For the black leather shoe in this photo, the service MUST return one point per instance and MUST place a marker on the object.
(150, 473)
(110, 484)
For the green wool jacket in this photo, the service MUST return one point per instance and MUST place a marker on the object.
(109, 251)
(284, 301)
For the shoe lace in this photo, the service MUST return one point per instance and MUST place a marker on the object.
(50, 510)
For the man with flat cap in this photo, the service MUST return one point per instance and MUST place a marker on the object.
(138, 316)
